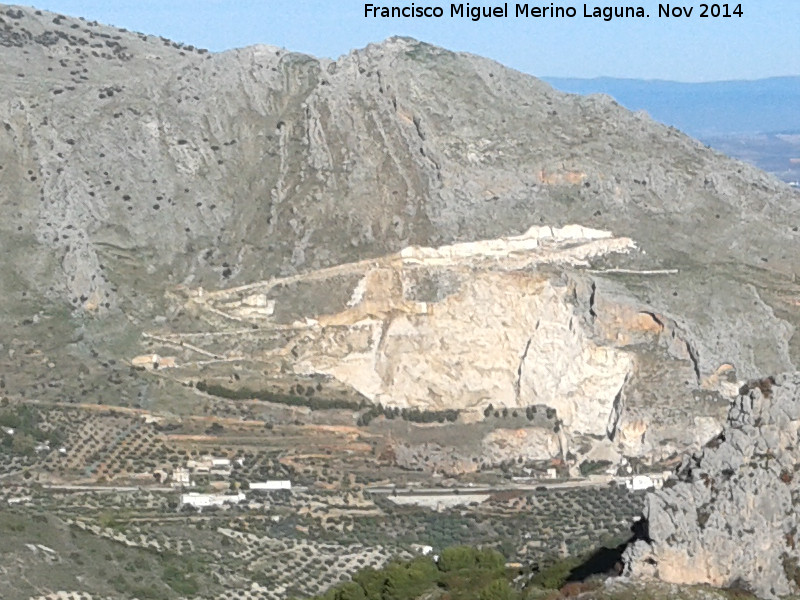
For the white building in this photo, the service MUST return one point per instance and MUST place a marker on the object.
(645, 482)
(201, 501)
(209, 464)
(181, 478)
(277, 484)
(221, 466)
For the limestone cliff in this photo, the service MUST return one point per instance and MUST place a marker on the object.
(730, 517)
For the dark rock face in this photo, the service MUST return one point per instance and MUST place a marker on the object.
(731, 517)
(130, 166)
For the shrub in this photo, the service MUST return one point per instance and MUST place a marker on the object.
(791, 568)
(457, 558)
(499, 589)
(555, 576)
(179, 580)
(589, 467)
(245, 393)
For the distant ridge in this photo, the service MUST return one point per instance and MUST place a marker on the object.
(703, 109)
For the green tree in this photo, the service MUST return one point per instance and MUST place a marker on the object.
(9, 418)
(422, 570)
(490, 559)
(23, 444)
(349, 591)
(408, 580)
(371, 581)
(463, 573)
(499, 589)
(456, 558)
(555, 576)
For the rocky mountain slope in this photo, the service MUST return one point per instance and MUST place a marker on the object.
(731, 516)
(136, 173)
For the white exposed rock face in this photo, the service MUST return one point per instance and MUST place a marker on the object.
(513, 322)
(254, 306)
(493, 328)
(506, 340)
(154, 361)
(705, 429)
(531, 240)
(563, 369)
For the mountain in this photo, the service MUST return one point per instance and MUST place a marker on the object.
(754, 121)
(404, 268)
(405, 228)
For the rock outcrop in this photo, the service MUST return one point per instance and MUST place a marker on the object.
(730, 517)
(499, 335)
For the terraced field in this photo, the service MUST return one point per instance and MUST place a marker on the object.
(100, 484)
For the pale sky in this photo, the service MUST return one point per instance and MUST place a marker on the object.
(764, 42)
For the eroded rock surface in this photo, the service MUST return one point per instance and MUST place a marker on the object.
(731, 516)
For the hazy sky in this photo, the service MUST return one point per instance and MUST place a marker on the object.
(763, 43)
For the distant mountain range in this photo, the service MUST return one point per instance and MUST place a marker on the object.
(704, 109)
(750, 120)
